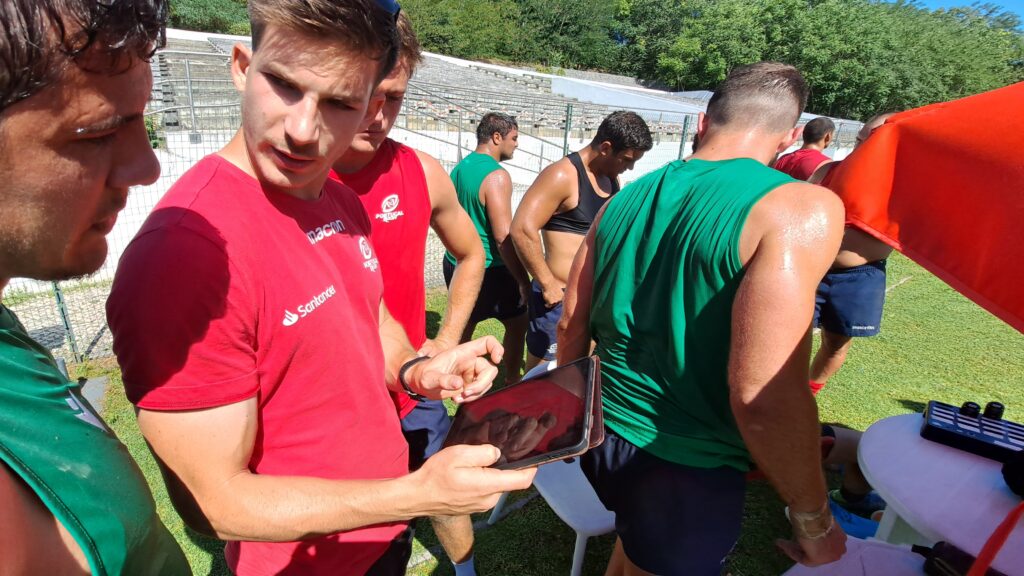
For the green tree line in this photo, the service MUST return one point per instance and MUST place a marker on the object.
(859, 56)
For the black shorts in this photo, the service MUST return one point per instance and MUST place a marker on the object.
(425, 429)
(672, 519)
(542, 333)
(849, 301)
(396, 558)
(499, 294)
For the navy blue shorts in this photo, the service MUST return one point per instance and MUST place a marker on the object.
(424, 429)
(672, 519)
(541, 335)
(849, 301)
(499, 294)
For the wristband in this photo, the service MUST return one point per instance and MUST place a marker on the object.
(802, 521)
(401, 377)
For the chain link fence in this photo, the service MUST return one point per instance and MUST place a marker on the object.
(194, 111)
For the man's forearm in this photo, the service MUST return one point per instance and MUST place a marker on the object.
(511, 259)
(462, 295)
(529, 248)
(288, 508)
(781, 430)
(397, 349)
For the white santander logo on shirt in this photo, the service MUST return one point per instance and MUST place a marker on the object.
(388, 207)
(290, 318)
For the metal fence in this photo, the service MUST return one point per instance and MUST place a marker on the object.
(195, 110)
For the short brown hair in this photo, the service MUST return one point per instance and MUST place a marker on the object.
(39, 37)
(770, 95)
(410, 54)
(360, 26)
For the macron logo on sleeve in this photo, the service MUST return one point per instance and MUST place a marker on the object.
(291, 318)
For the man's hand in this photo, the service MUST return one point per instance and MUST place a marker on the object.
(462, 373)
(435, 346)
(816, 551)
(514, 435)
(554, 293)
(457, 481)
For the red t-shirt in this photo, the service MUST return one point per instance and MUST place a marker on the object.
(229, 292)
(801, 164)
(393, 190)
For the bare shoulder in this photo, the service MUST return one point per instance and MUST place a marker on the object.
(796, 214)
(561, 173)
(498, 177)
(431, 165)
(439, 184)
(799, 203)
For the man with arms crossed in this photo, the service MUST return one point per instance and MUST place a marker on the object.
(484, 190)
(248, 320)
(403, 191)
(560, 206)
(800, 164)
(696, 283)
(851, 296)
(74, 81)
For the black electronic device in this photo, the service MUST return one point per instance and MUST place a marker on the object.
(965, 428)
(551, 416)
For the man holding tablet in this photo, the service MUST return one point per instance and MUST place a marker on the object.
(697, 282)
(248, 321)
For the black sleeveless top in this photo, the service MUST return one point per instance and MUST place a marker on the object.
(579, 219)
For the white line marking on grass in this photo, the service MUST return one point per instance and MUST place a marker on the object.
(898, 284)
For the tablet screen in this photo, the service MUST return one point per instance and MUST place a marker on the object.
(546, 415)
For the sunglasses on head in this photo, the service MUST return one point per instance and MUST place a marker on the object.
(391, 6)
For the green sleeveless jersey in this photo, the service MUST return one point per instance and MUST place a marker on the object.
(467, 176)
(55, 442)
(666, 271)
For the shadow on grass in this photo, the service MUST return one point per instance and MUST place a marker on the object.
(912, 405)
(214, 548)
(433, 323)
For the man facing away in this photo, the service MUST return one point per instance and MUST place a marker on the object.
(696, 283)
(851, 296)
(74, 82)
(248, 321)
(800, 164)
(404, 191)
(560, 206)
(484, 190)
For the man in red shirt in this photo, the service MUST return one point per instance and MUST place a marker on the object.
(248, 321)
(818, 134)
(404, 191)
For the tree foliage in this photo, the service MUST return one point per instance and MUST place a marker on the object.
(859, 56)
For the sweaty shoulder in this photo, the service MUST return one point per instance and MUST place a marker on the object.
(796, 213)
(558, 175)
(433, 171)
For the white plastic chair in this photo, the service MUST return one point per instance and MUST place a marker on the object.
(568, 492)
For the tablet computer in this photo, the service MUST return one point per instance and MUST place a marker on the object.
(536, 420)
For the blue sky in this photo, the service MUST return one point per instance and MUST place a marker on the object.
(1016, 6)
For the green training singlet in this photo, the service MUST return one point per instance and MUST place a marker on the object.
(467, 176)
(53, 440)
(667, 267)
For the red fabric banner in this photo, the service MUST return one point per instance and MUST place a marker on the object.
(944, 184)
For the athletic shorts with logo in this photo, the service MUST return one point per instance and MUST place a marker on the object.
(849, 301)
(499, 294)
(671, 518)
(541, 335)
(425, 429)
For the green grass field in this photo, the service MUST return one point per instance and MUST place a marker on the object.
(935, 344)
